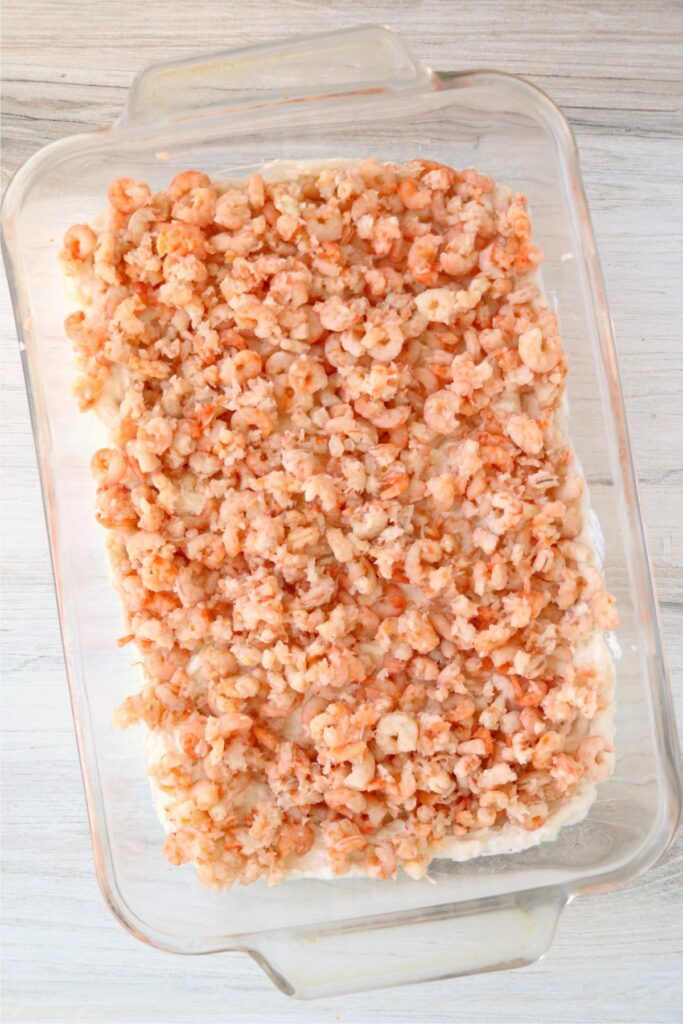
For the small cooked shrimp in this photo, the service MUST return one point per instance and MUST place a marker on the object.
(180, 240)
(343, 837)
(529, 816)
(156, 435)
(114, 507)
(232, 723)
(437, 304)
(296, 839)
(392, 602)
(185, 182)
(387, 345)
(549, 744)
(335, 315)
(423, 259)
(541, 354)
(326, 225)
(349, 802)
(256, 192)
(441, 412)
(380, 861)
(526, 433)
(396, 733)
(379, 415)
(594, 753)
(419, 552)
(83, 334)
(307, 375)
(336, 355)
(415, 628)
(247, 365)
(531, 695)
(248, 418)
(127, 195)
(109, 466)
(196, 207)
(192, 737)
(362, 772)
(412, 196)
(603, 608)
(379, 176)
(509, 512)
(442, 490)
(79, 242)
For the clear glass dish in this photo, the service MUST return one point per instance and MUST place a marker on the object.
(353, 94)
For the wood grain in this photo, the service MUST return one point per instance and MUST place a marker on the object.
(616, 69)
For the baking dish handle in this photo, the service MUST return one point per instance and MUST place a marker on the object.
(359, 61)
(441, 942)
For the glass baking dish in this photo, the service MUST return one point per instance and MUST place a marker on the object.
(353, 93)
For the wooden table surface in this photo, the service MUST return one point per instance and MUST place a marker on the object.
(616, 69)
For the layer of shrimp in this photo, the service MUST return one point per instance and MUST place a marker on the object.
(344, 523)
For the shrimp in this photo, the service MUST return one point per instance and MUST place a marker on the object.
(541, 354)
(83, 334)
(380, 861)
(604, 611)
(248, 418)
(246, 365)
(79, 242)
(343, 837)
(307, 375)
(185, 182)
(335, 315)
(141, 222)
(127, 195)
(296, 839)
(387, 344)
(548, 745)
(336, 355)
(180, 240)
(232, 212)
(196, 207)
(509, 513)
(412, 196)
(396, 733)
(420, 551)
(594, 753)
(415, 628)
(526, 433)
(156, 435)
(381, 416)
(362, 772)
(531, 695)
(529, 816)
(114, 507)
(326, 225)
(437, 305)
(442, 490)
(192, 737)
(441, 412)
(108, 466)
(349, 802)
(256, 192)
(423, 259)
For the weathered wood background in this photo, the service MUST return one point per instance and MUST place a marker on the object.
(616, 68)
